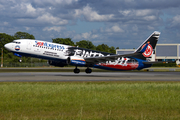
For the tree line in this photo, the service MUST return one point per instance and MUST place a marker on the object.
(85, 44)
(9, 57)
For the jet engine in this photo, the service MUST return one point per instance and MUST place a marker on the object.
(73, 60)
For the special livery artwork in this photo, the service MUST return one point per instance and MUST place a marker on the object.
(81, 52)
(148, 51)
(62, 55)
(121, 62)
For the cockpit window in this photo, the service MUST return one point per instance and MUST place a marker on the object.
(16, 42)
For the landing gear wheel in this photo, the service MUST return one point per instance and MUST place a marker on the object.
(76, 70)
(88, 71)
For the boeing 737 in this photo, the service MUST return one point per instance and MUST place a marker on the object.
(62, 55)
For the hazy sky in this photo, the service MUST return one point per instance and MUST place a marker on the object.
(118, 23)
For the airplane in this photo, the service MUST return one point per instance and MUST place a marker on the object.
(62, 55)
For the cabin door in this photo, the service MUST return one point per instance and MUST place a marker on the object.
(28, 45)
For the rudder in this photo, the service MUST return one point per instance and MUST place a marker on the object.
(151, 41)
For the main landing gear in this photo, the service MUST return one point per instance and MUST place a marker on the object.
(88, 70)
(76, 70)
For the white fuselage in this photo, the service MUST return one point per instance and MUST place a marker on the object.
(39, 49)
(61, 54)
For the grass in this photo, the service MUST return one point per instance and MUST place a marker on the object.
(90, 100)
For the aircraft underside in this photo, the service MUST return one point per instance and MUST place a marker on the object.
(114, 67)
(121, 64)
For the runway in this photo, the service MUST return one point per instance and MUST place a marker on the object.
(95, 76)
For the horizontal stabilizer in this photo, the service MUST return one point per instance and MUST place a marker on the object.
(156, 62)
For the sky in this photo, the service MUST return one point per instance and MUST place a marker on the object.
(118, 23)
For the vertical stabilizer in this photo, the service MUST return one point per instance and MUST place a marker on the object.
(151, 41)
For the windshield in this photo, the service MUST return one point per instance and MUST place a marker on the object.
(16, 42)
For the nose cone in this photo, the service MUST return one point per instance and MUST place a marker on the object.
(8, 46)
(5, 45)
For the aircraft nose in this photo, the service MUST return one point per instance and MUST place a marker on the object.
(7, 46)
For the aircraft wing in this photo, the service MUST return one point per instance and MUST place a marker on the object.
(94, 60)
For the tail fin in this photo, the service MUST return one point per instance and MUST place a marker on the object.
(151, 41)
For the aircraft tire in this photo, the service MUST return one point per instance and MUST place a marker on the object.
(88, 71)
(76, 70)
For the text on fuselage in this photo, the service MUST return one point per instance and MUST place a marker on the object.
(46, 44)
(84, 53)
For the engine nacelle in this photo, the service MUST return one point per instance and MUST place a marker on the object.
(57, 63)
(73, 60)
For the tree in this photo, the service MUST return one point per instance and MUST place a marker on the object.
(23, 35)
(112, 50)
(103, 48)
(66, 41)
(106, 48)
(86, 44)
(5, 38)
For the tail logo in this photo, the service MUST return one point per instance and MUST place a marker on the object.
(148, 52)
